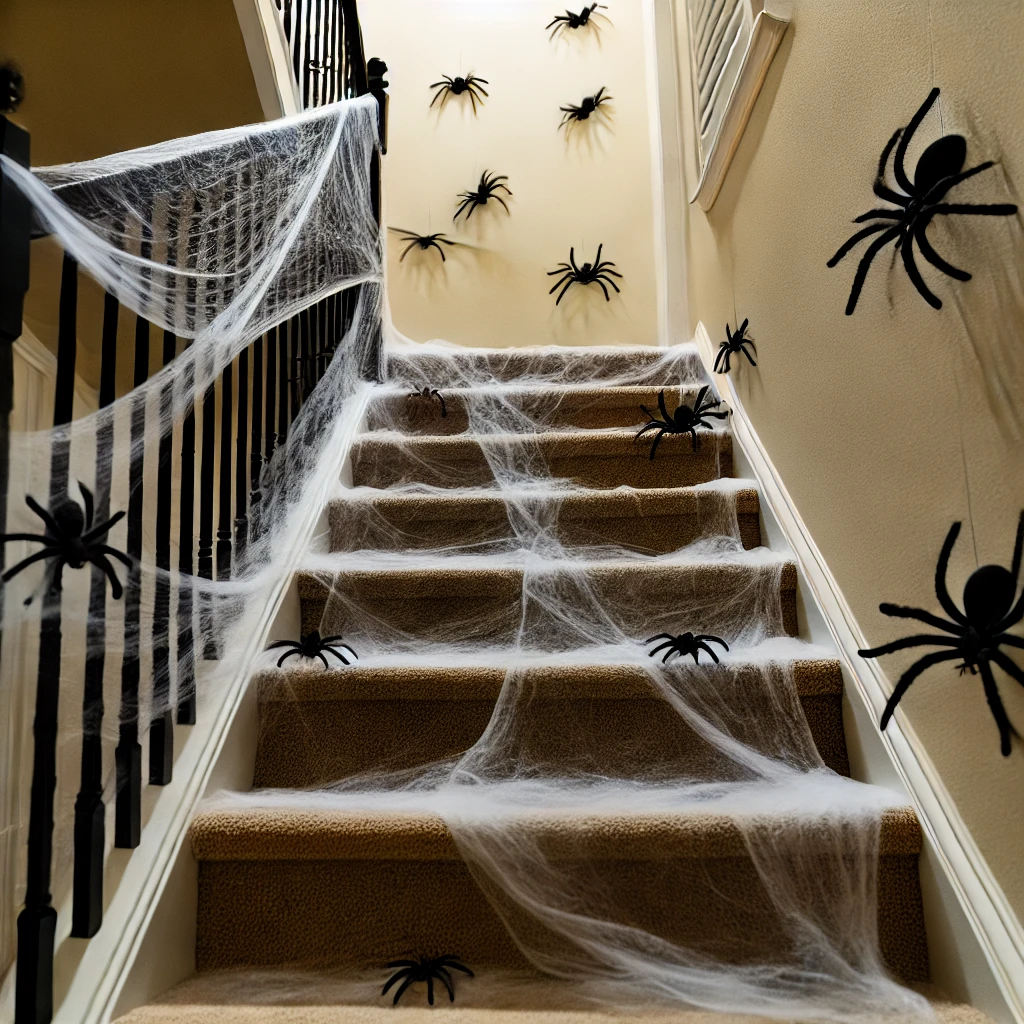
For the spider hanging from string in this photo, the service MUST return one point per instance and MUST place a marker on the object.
(423, 241)
(975, 635)
(736, 345)
(686, 644)
(684, 419)
(939, 169)
(590, 273)
(427, 393)
(486, 190)
(70, 539)
(311, 646)
(427, 970)
(471, 85)
(561, 22)
(571, 114)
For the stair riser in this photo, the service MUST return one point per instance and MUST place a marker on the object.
(360, 914)
(676, 465)
(639, 603)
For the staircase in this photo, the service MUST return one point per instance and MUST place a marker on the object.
(427, 578)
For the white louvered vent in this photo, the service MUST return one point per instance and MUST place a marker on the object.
(732, 43)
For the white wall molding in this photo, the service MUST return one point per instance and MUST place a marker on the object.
(269, 57)
(992, 919)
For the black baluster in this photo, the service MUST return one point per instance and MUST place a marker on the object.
(37, 922)
(256, 446)
(307, 95)
(225, 478)
(186, 694)
(270, 435)
(241, 462)
(286, 401)
(206, 480)
(90, 811)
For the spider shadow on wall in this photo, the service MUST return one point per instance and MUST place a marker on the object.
(429, 275)
(562, 35)
(587, 138)
(584, 307)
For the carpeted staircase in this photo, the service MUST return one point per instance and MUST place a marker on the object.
(341, 893)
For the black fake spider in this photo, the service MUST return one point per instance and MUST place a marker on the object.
(977, 632)
(938, 170)
(734, 347)
(595, 273)
(683, 420)
(70, 539)
(569, 20)
(312, 645)
(429, 393)
(487, 189)
(684, 644)
(423, 241)
(572, 114)
(457, 86)
(427, 970)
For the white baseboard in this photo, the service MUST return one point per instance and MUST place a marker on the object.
(982, 902)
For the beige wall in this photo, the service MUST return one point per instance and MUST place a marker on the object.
(888, 425)
(595, 188)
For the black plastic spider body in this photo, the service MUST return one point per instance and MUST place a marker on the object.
(70, 539)
(974, 635)
(423, 241)
(426, 970)
(597, 272)
(572, 114)
(313, 646)
(560, 22)
(457, 86)
(736, 345)
(684, 419)
(939, 169)
(486, 190)
(686, 644)
(428, 394)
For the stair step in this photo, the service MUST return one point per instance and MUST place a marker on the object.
(319, 726)
(444, 367)
(655, 519)
(483, 602)
(583, 407)
(349, 888)
(611, 458)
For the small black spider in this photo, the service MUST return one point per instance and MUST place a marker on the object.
(423, 241)
(70, 539)
(457, 86)
(595, 273)
(977, 632)
(683, 420)
(684, 644)
(487, 189)
(313, 646)
(938, 170)
(572, 114)
(570, 20)
(734, 346)
(425, 969)
(429, 393)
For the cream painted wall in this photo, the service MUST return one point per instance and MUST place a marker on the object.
(593, 188)
(888, 425)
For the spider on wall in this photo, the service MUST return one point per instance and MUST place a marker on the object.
(484, 192)
(938, 170)
(572, 114)
(736, 345)
(471, 85)
(590, 273)
(587, 16)
(425, 242)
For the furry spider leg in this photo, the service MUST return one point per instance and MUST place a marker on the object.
(446, 980)
(284, 657)
(996, 706)
(116, 590)
(900, 611)
(320, 655)
(879, 187)
(929, 253)
(865, 265)
(44, 514)
(909, 676)
(910, 265)
(701, 646)
(401, 988)
(898, 167)
(940, 577)
(661, 647)
(568, 284)
(97, 531)
(604, 274)
(46, 552)
(918, 640)
(976, 209)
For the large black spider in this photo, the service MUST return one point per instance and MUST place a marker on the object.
(572, 114)
(312, 645)
(734, 347)
(487, 189)
(938, 170)
(977, 632)
(595, 273)
(425, 969)
(423, 241)
(70, 539)
(560, 22)
(457, 86)
(683, 420)
(684, 644)
(428, 393)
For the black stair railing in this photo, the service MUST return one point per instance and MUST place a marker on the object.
(225, 441)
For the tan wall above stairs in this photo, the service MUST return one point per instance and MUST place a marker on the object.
(594, 188)
(884, 425)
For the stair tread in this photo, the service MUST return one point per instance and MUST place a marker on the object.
(317, 833)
